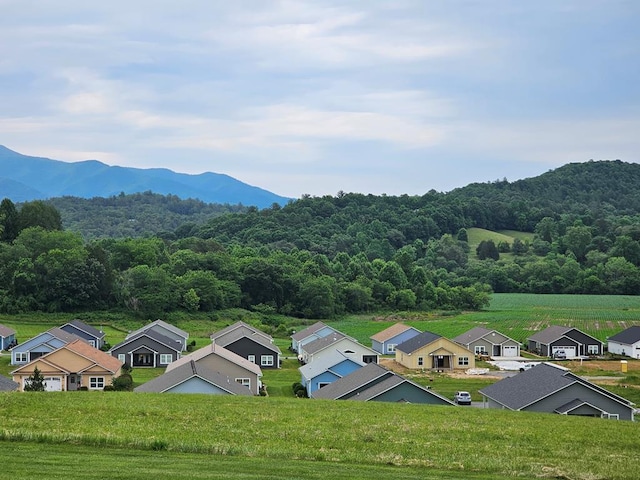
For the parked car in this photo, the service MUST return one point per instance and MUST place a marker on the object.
(462, 398)
(527, 366)
(560, 355)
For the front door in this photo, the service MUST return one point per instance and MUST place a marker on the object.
(143, 360)
(73, 383)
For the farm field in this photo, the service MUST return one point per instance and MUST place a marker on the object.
(295, 436)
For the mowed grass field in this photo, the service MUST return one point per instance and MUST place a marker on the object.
(130, 435)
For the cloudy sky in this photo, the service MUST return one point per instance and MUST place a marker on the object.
(315, 97)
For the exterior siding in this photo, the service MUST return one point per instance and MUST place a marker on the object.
(90, 339)
(147, 345)
(343, 345)
(43, 343)
(197, 385)
(245, 347)
(584, 341)
(324, 377)
(6, 341)
(632, 351)
(426, 353)
(323, 332)
(562, 397)
(230, 369)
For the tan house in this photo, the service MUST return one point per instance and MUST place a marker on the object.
(429, 351)
(74, 365)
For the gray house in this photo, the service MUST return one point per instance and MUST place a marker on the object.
(89, 334)
(481, 340)
(375, 383)
(166, 330)
(194, 378)
(558, 338)
(627, 342)
(553, 389)
(250, 343)
(147, 348)
(309, 334)
(7, 337)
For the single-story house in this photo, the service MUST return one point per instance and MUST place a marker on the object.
(322, 372)
(7, 385)
(219, 359)
(553, 389)
(430, 351)
(250, 343)
(194, 378)
(91, 335)
(376, 383)
(166, 330)
(147, 348)
(7, 337)
(41, 344)
(70, 367)
(570, 340)
(337, 342)
(627, 342)
(309, 334)
(385, 342)
(482, 341)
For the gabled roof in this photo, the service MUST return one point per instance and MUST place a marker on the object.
(240, 325)
(573, 404)
(419, 341)
(302, 334)
(7, 385)
(472, 335)
(163, 324)
(553, 333)
(154, 335)
(101, 358)
(189, 370)
(62, 335)
(532, 385)
(6, 331)
(80, 325)
(244, 331)
(629, 336)
(322, 343)
(392, 331)
(356, 379)
(315, 368)
(220, 351)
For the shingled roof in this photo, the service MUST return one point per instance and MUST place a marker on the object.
(419, 341)
(629, 336)
(393, 331)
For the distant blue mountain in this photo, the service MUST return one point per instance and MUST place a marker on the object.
(24, 178)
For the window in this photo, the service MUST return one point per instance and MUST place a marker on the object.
(92, 343)
(251, 358)
(166, 358)
(96, 383)
(322, 384)
(462, 361)
(21, 357)
(480, 349)
(244, 381)
(420, 361)
(391, 347)
(593, 349)
(122, 357)
(266, 360)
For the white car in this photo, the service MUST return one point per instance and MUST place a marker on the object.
(462, 398)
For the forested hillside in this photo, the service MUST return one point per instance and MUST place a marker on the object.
(349, 253)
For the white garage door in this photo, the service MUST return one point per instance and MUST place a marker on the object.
(569, 351)
(53, 384)
(510, 351)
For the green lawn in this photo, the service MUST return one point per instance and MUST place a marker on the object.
(299, 436)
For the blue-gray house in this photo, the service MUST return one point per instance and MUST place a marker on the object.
(309, 334)
(89, 334)
(385, 342)
(41, 344)
(7, 337)
(320, 373)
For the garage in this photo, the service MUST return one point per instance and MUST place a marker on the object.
(569, 351)
(509, 351)
(53, 384)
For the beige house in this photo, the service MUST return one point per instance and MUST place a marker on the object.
(429, 351)
(70, 367)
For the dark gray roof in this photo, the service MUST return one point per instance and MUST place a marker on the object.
(153, 334)
(320, 343)
(239, 325)
(80, 325)
(191, 370)
(419, 341)
(315, 368)
(353, 381)
(6, 331)
(63, 335)
(7, 385)
(629, 336)
(550, 334)
(310, 330)
(471, 336)
(529, 386)
(572, 405)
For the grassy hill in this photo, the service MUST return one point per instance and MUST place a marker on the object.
(473, 443)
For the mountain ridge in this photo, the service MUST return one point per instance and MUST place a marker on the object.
(26, 178)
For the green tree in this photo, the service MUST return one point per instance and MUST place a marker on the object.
(39, 214)
(191, 300)
(35, 382)
(9, 221)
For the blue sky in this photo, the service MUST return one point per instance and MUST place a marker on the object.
(317, 97)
